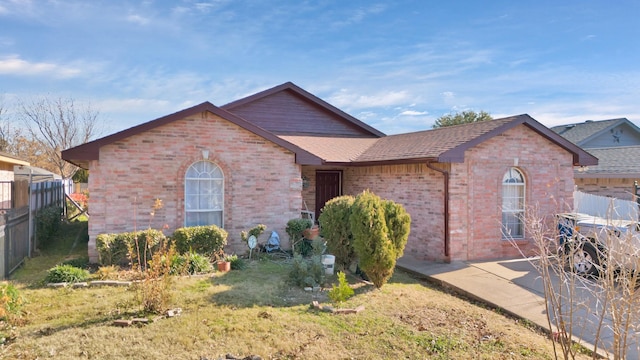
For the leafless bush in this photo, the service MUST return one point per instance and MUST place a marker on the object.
(590, 285)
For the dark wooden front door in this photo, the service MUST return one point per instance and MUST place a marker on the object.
(328, 186)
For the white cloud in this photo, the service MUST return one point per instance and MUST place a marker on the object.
(347, 99)
(413, 113)
(13, 65)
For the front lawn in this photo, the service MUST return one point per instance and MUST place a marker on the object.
(255, 311)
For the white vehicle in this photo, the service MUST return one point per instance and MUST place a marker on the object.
(594, 242)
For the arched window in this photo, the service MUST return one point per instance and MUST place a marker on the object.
(513, 189)
(204, 194)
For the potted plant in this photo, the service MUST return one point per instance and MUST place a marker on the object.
(311, 233)
(223, 262)
(295, 228)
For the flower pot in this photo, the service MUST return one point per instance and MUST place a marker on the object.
(311, 233)
(224, 266)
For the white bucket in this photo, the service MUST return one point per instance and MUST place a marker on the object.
(327, 263)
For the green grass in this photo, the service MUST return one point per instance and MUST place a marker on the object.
(254, 311)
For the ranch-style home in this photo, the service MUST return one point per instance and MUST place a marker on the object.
(269, 157)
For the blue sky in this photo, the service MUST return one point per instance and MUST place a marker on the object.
(397, 65)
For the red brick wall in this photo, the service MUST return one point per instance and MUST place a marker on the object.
(417, 188)
(262, 181)
(475, 195)
(476, 188)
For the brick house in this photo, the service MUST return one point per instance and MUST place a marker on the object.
(616, 144)
(270, 156)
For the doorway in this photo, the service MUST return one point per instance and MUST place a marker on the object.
(328, 186)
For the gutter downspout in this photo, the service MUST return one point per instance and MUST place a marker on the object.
(445, 174)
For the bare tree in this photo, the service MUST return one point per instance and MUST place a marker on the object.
(603, 305)
(58, 124)
(4, 127)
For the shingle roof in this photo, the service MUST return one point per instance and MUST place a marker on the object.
(433, 144)
(331, 149)
(442, 145)
(614, 162)
(446, 144)
(579, 132)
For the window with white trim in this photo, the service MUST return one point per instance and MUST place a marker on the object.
(203, 194)
(513, 189)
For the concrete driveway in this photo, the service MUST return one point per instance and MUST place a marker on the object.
(516, 287)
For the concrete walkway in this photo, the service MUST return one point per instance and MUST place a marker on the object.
(515, 286)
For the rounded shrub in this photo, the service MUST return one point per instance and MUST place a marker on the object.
(336, 230)
(122, 248)
(207, 240)
(66, 274)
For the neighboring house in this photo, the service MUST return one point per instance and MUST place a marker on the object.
(616, 144)
(7, 165)
(262, 158)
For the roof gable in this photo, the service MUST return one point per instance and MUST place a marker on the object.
(289, 110)
(603, 133)
(82, 154)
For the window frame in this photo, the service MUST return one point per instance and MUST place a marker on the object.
(213, 180)
(513, 192)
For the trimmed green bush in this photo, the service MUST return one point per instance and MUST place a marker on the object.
(125, 248)
(336, 229)
(66, 274)
(376, 252)
(207, 240)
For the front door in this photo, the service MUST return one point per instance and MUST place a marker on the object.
(328, 186)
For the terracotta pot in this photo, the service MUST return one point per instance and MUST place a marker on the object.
(224, 266)
(311, 233)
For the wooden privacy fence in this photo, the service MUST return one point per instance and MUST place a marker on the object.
(18, 230)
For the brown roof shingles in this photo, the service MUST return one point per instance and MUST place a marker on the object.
(428, 144)
(331, 149)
